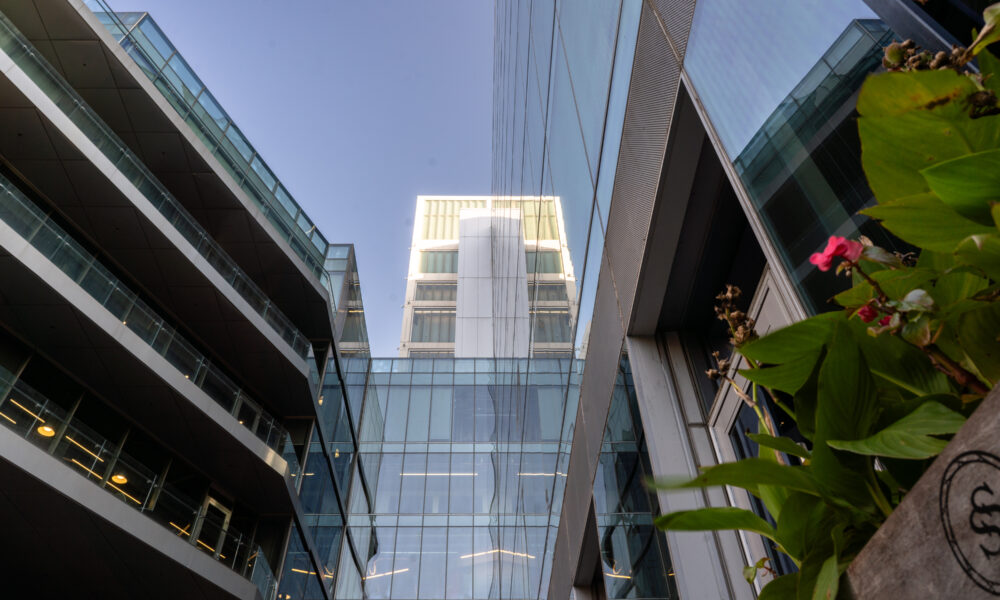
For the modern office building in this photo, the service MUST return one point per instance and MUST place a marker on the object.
(176, 416)
(481, 266)
(693, 144)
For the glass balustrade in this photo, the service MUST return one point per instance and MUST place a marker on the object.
(104, 462)
(31, 223)
(62, 94)
(143, 40)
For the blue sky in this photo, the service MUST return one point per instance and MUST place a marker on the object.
(358, 107)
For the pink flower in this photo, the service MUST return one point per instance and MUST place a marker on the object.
(867, 313)
(836, 246)
(885, 320)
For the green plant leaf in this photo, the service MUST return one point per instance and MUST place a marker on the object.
(924, 221)
(780, 588)
(991, 29)
(748, 473)
(828, 580)
(789, 343)
(982, 252)
(896, 363)
(846, 408)
(969, 183)
(714, 519)
(977, 331)
(909, 437)
(911, 121)
(781, 444)
(804, 525)
(989, 66)
(787, 377)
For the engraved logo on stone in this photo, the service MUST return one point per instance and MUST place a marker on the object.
(970, 513)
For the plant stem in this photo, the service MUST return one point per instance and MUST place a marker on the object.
(954, 370)
(876, 492)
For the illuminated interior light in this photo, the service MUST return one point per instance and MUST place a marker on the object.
(498, 551)
(46, 431)
(85, 468)
(186, 376)
(8, 418)
(303, 572)
(336, 453)
(119, 478)
(21, 406)
(616, 576)
(320, 400)
(180, 529)
(538, 474)
(210, 549)
(124, 493)
(377, 575)
(439, 474)
(308, 474)
(84, 448)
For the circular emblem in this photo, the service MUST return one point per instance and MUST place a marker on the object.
(970, 513)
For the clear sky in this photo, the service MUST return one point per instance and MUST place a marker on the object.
(357, 106)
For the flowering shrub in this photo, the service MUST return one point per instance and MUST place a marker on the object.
(878, 388)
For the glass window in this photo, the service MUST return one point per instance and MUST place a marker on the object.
(387, 492)
(460, 562)
(433, 325)
(441, 414)
(543, 261)
(463, 424)
(433, 550)
(406, 568)
(484, 485)
(439, 261)
(395, 416)
(546, 292)
(486, 412)
(419, 416)
(411, 494)
(463, 476)
(446, 292)
(550, 326)
(438, 478)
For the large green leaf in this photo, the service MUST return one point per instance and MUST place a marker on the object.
(910, 437)
(978, 332)
(713, 519)
(969, 183)
(989, 66)
(911, 121)
(781, 444)
(828, 580)
(923, 220)
(780, 588)
(982, 252)
(805, 524)
(787, 377)
(748, 473)
(846, 409)
(789, 343)
(896, 363)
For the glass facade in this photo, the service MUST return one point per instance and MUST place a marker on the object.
(793, 141)
(634, 559)
(464, 472)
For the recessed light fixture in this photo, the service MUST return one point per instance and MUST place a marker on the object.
(336, 453)
(119, 479)
(46, 431)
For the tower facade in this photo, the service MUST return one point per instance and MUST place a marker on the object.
(488, 277)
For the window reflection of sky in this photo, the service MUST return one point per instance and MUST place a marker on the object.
(744, 57)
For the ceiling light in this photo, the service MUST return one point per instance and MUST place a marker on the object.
(336, 453)
(46, 431)
(119, 479)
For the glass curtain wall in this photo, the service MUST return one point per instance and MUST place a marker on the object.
(561, 78)
(462, 478)
(786, 118)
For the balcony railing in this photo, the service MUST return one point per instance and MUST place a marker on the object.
(105, 463)
(143, 40)
(31, 223)
(65, 97)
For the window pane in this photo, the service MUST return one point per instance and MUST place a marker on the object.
(395, 416)
(547, 292)
(463, 475)
(438, 478)
(420, 406)
(551, 326)
(411, 495)
(432, 569)
(433, 325)
(543, 261)
(439, 261)
(460, 569)
(463, 425)
(441, 414)
(387, 492)
(436, 291)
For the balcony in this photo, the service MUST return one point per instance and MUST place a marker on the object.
(62, 94)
